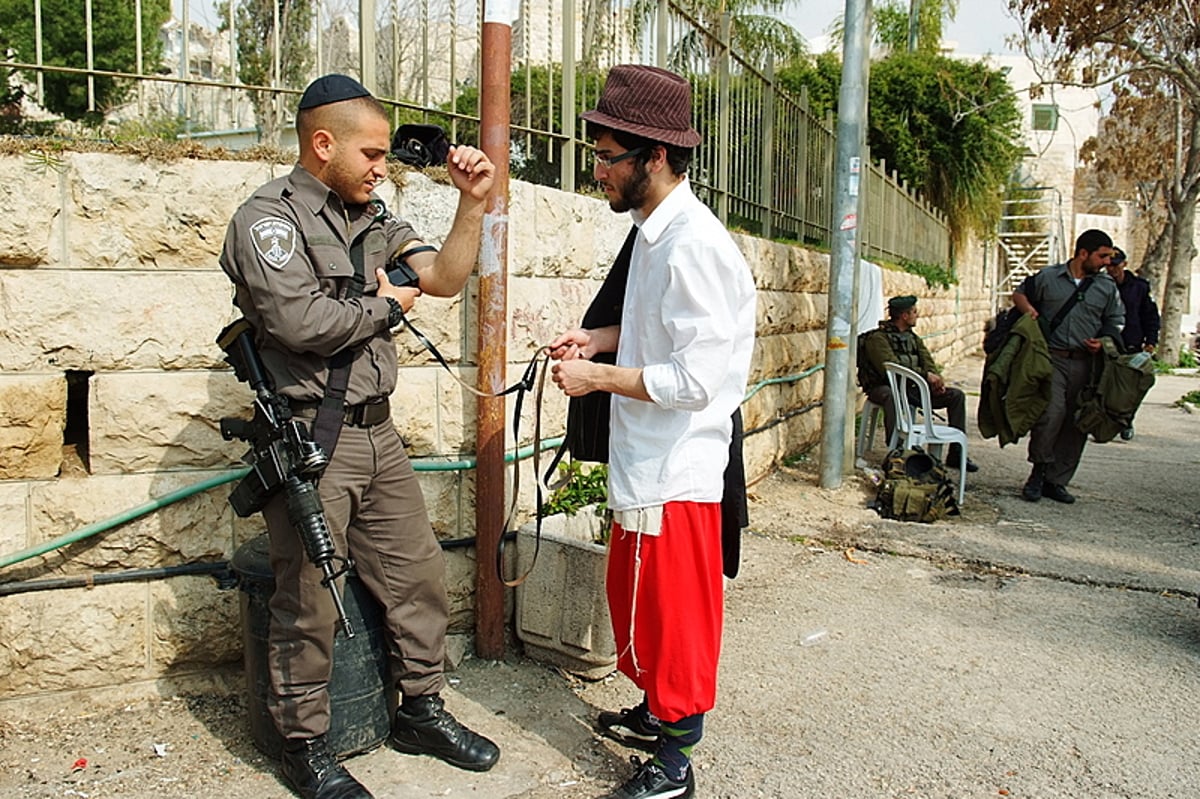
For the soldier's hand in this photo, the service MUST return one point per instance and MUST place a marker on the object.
(471, 171)
(405, 295)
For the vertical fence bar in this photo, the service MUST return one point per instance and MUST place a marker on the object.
(767, 147)
(137, 55)
(721, 179)
(185, 68)
(37, 50)
(91, 60)
(661, 51)
(366, 45)
(567, 167)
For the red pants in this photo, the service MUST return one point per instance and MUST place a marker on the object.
(666, 596)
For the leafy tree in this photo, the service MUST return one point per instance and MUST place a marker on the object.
(950, 128)
(1147, 48)
(754, 33)
(821, 76)
(256, 53)
(64, 44)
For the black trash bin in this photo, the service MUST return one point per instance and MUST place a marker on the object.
(361, 701)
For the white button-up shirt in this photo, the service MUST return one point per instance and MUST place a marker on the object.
(688, 322)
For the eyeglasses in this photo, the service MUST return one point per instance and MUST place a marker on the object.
(609, 161)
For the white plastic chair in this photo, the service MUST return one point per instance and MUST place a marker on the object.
(866, 430)
(920, 430)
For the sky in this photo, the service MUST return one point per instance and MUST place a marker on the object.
(980, 28)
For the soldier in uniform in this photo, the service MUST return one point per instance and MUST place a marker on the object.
(896, 341)
(306, 254)
(1090, 307)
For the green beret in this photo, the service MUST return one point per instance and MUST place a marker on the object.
(331, 89)
(902, 303)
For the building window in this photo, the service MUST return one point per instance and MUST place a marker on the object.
(1045, 117)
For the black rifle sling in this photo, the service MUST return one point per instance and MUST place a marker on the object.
(331, 412)
(1080, 290)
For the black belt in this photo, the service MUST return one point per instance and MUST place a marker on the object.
(1075, 354)
(364, 414)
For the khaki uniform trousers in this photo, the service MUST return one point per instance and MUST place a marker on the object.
(376, 512)
(1055, 441)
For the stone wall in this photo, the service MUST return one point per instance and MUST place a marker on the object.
(111, 388)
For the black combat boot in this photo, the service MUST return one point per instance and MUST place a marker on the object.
(313, 772)
(424, 727)
(1032, 491)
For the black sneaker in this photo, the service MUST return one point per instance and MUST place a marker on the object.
(313, 772)
(633, 727)
(427, 728)
(651, 782)
(1058, 493)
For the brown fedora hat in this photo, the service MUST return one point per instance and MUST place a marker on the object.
(648, 102)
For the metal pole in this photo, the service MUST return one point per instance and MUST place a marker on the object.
(567, 105)
(660, 34)
(366, 45)
(721, 181)
(843, 260)
(494, 112)
(91, 59)
(767, 170)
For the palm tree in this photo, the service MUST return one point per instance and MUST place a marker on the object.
(754, 34)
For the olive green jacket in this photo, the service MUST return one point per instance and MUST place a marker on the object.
(885, 343)
(1016, 383)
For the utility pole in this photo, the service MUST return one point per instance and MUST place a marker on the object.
(492, 305)
(843, 259)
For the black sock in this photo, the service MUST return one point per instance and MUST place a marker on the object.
(675, 748)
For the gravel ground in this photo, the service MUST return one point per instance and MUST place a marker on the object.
(1021, 650)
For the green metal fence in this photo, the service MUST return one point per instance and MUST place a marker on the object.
(230, 74)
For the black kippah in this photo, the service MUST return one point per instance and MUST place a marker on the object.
(331, 89)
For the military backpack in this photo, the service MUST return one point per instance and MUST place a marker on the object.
(916, 487)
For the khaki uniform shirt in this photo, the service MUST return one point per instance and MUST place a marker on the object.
(287, 251)
(1099, 313)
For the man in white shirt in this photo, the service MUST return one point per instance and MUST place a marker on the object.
(683, 353)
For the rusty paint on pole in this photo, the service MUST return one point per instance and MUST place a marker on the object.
(493, 331)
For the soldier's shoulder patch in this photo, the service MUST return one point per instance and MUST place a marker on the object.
(275, 240)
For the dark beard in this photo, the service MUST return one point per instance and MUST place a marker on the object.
(634, 193)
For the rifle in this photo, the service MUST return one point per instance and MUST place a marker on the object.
(282, 455)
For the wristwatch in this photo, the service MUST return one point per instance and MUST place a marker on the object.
(395, 313)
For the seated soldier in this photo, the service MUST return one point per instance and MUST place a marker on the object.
(895, 341)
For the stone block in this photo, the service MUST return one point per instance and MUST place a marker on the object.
(193, 624)
(416, 408)
(33, 415)
(30, 201)
(14, 517)
(132, 213)
(425, 204)
(562, 611)
(442, 491)
(97, 321)
(72, 638)
(195, 528)
(440, 319)
(151, 422)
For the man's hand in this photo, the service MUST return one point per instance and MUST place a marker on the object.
(575, 376)
(571, 345)
(936, 384)
(471, 171)
(405, 295)
(1093, 345)
(1149, 348)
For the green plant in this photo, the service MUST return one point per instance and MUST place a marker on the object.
(1190, 398)
(1187, 358)
(583, 487)
(936, 275)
